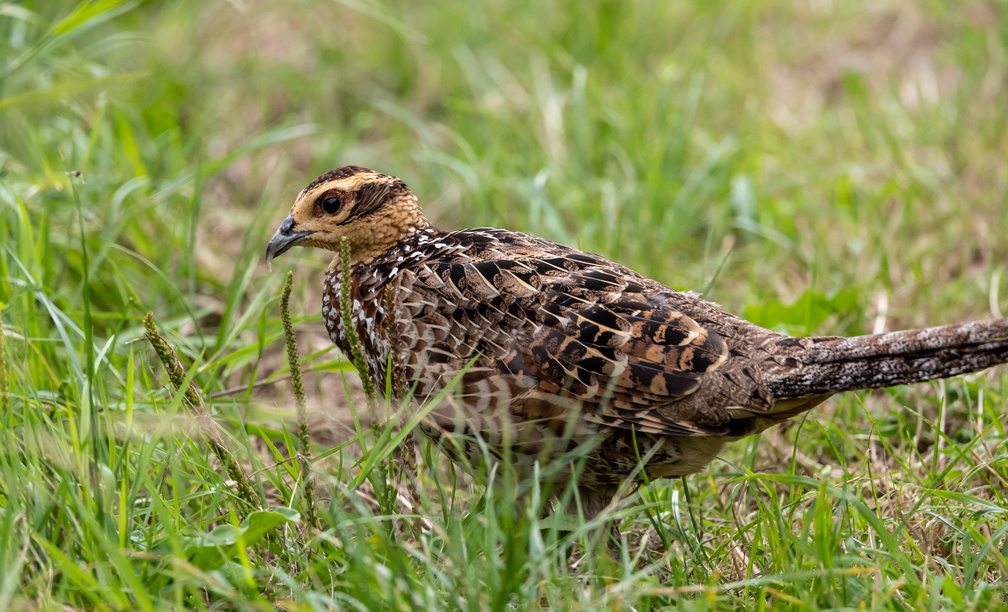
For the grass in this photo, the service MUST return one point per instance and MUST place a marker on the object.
(820, 167)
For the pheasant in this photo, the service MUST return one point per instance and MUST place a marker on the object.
(559, 355)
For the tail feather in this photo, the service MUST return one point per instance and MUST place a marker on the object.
(830, 365)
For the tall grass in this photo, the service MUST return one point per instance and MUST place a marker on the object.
(816, 167)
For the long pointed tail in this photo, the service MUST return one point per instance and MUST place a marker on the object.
(813, 366)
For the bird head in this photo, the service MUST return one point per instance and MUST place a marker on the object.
(373, 211)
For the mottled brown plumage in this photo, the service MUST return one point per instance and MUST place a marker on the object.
(561, 353)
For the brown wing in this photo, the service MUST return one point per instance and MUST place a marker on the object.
(570, 327)
(623, 354)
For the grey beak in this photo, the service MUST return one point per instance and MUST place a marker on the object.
(282, 241)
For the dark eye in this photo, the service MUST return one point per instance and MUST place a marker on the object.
(331, 205)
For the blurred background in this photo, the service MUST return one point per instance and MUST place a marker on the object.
(760, 152)
(815, 166)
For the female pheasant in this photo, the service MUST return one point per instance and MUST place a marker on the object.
(562, 354)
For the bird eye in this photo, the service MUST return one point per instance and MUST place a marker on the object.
(331, 205)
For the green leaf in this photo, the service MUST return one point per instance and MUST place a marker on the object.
(211, 550)
(806, 314)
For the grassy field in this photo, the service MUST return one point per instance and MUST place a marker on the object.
(818, 167)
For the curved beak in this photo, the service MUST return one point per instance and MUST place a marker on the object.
(282, 241)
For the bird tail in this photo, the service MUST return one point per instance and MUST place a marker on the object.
(822, 366)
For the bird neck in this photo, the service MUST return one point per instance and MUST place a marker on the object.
(380, 246)
(373, 239)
